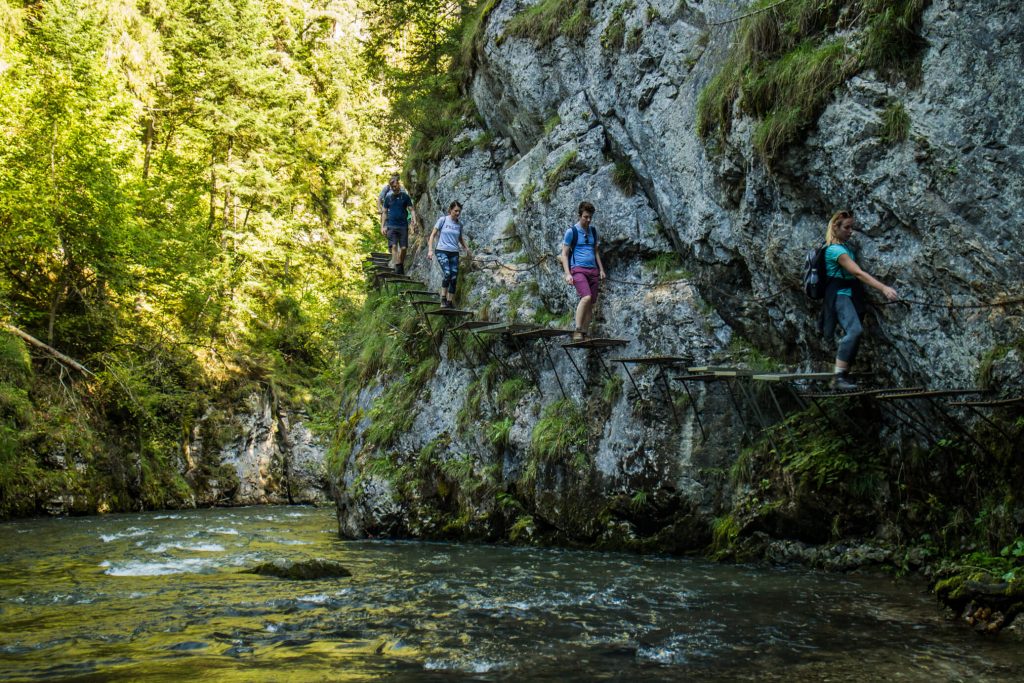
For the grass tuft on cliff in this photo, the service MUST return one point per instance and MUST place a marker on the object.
(549, 19)
(614, 36)
(471, 43)
(788, 60)
(625, 177)
(558, 173)
(560, 434)
(895, 123)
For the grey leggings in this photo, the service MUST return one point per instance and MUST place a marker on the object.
(850, 322)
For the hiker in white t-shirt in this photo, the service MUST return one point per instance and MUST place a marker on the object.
(450, 230)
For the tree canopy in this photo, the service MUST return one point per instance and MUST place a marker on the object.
(185, 191)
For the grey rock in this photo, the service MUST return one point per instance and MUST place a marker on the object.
(273, 457)
(301, 570)
(939, 217)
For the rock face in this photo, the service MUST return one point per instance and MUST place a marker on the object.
(939, 217)
(261, 454)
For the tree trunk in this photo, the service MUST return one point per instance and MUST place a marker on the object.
(54, 353)
(58, 294)
(213, 197)
(148, 135)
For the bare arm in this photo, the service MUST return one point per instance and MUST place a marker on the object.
(564, 258)
(851, 267)
(597, 257)
(430, 242)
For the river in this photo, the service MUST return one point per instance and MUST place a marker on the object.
(163, 597)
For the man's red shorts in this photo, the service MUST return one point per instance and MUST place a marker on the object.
(586, 281)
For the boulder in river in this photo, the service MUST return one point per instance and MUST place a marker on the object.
(301, 570)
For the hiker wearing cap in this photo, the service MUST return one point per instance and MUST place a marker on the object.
(384, 193)
(396, 209)
(380, 209)
(844, 295)
(450, 230)
(581, 264)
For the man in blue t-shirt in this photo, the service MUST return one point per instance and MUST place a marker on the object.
(581, 263)
(383, 194)
(395, 215)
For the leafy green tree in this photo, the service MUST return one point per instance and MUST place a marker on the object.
(184, 190)
(422, 52)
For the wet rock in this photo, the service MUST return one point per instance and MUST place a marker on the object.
(987, 606)
(301, 570)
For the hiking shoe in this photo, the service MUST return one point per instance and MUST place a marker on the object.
(578, 336)
(400, 269)
(842, 382)
(448, 304)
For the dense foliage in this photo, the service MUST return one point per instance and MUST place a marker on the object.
(183, 188)
(424, 53)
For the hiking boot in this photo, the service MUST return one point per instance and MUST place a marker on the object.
(842, 382)
(399, 269)
(578, 336)
(448, 304)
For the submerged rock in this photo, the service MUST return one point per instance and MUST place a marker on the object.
(301, 570)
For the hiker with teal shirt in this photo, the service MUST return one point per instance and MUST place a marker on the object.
(581, 264)
(396, 210)
(450, 230)
(844, 295)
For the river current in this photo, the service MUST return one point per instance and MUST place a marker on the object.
(163, 597)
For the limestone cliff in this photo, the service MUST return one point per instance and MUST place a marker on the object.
(260, 452)
(704, 243)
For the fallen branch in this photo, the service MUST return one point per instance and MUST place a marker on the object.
(52, 352)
